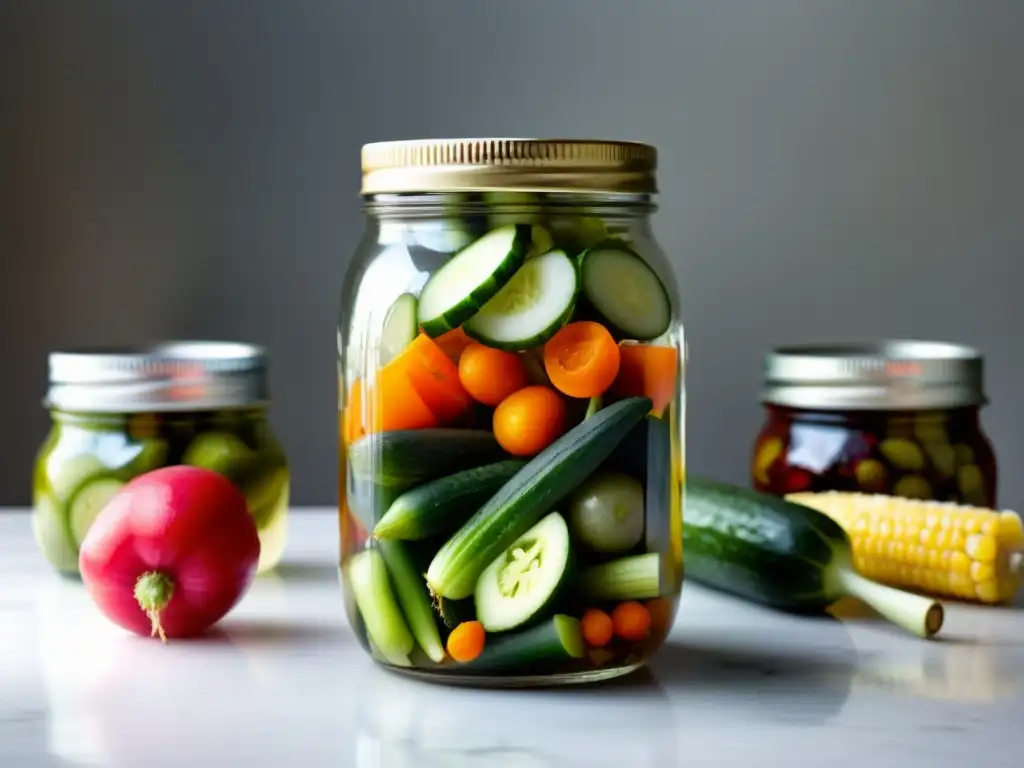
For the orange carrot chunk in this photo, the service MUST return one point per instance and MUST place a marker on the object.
(434, 377)
(582, 359)
(647, 371)
(466, 642)
(597, 628)
(631, 621)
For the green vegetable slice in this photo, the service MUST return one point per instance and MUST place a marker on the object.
(456, 291)
(530, 308)
(526, 578)
(51, 533)
(637, 577)
(399, 328)
(385, 625)
(413, 597)
(87, 504)
(626, 291)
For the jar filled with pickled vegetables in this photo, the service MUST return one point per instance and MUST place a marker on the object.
(510, 413)
(900, 418)
(119, 413)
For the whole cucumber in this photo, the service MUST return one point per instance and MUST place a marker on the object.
(783, 555)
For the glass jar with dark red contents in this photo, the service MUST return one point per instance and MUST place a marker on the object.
(900, 418)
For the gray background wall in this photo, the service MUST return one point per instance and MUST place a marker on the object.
(829, 170)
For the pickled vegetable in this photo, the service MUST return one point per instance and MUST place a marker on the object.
(941, 455)
(545, 513)
(89, 458)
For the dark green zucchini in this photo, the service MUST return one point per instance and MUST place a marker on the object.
(558, 640)
(442, 505)
(412, 456)
(783, 555)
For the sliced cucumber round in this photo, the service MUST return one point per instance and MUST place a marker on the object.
(67, 476)
(524, 579)
(470, 278)
(51, 534)
(531, 308)
(399, 328)
(626, 291)
(540, 242)
(87, 504)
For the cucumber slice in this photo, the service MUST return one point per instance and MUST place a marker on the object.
(626, 291)
(88, 503)
(531, 308)
(270, 499)
(150, 454)
(413, 597)
(637, 577)
(557, 640)
(525, 578)
(607, 512)
(51, 534)
(66, 477)
(465, 283)
(399, 328)
(540, 241)
(385, 626)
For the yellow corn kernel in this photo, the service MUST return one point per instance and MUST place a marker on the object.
(955, 550)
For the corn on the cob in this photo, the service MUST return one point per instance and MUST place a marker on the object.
(939, 548)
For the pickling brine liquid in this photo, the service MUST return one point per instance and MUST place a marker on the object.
(510, 430)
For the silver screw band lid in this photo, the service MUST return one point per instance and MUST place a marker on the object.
(171, 376)
(885, 375)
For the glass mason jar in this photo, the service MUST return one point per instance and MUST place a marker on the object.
(119, 413)
(510, 413)
(900, 418)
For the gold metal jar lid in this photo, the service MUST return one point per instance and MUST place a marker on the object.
(514, 165)
(887, 375)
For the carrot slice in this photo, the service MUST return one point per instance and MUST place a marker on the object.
(454, 343)
(466, 642)
(631, 621)
(435, 377)
(582, 359)
(392, 404)
(597, 627)
(647, 371)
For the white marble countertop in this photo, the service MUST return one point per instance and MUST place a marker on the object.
(283, 682)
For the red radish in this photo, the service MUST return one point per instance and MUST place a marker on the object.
(171, 553)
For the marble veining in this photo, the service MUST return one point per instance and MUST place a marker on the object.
(282, 682)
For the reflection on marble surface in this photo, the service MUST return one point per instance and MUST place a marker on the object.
(282, 681)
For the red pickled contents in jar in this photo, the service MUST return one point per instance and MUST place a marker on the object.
(897, 418)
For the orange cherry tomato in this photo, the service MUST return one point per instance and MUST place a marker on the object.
(528, 421)
(491, 375)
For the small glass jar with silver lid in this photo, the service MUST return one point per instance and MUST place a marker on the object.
(895, 417)
(119, 413)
